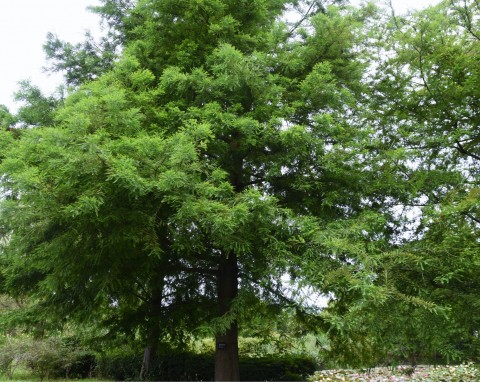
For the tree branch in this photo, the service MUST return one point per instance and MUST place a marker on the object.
(462, 150)
(304, 17)
(472, 217)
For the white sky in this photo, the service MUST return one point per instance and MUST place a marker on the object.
(24, 25)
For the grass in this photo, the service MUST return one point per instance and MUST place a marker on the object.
(459, 373)
(24, 375)
(30, 379)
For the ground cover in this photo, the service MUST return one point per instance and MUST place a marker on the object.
(458, 373)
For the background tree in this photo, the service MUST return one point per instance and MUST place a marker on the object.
(7, 120)
(37, 109)
(424, 106)
(441, 103)
(86, 61)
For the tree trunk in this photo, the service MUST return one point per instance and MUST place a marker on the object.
(148, 357)
(153, 336)
(226, 349)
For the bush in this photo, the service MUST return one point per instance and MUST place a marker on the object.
(12, 354)
(7, 360)
(54, 358)
(46, 358)
(185, 366)
(285, 368)
(81, 365)
(119, 366)
(170, 367)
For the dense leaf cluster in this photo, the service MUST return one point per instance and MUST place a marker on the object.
(211, 149)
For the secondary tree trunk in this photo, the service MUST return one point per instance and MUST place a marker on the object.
(148, 357)
(226, 353)
(153, 335)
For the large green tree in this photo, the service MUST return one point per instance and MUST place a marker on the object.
(440, 113)
(216, 156)
(424, 102)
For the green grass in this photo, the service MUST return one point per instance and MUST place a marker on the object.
(24, 375)
(30, 379)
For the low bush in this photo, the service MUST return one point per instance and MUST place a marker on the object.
(194, 367)
(183, 366)
(119, 366)
(13, 353)
(81, 365)
(285, 368)
(46, 358)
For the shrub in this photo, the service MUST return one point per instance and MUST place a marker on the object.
(285, 368)
(183, 366)
(54, 358)
(170, 367)
(119, 366)
(7, 358)
(12, 354)
(46, 358)
(81, 364)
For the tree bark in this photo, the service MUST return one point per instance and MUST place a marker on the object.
(153, 335)
(148, 356)
(226, 344)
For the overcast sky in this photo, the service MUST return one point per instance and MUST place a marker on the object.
(24, 25)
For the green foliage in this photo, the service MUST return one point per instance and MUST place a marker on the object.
(119, 365)
(175, 366)
(12, 354)
(412, 297)
(37, 109)
(272, 344)
(88, 60)
(225, 143)
(223, 137)
(7, 120)
(82, 62)
(49, 358)
(275, 368)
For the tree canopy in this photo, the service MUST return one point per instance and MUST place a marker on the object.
(211, 147)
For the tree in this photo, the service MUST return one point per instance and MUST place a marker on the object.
(81, 62)
(7, 120)
(86, 61)
(447, 46)
(37, 109)
(424, 103)
(194, 175)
